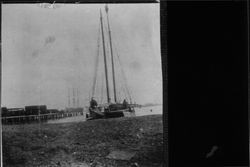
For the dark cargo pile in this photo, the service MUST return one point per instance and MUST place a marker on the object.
(85, 144)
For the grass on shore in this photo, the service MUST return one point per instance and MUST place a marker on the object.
(87, 143)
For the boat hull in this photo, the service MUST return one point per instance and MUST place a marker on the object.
(114, 114)
(97, 114)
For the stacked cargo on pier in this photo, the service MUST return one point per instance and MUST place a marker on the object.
(36, 110)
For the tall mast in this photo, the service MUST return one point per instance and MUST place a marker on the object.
(74, 102)
(77, 95)
(105, 61)
(68, 97)
(111, 50)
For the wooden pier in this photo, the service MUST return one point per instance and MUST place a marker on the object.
(36, 118)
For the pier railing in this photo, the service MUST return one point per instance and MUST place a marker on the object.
(37, 118)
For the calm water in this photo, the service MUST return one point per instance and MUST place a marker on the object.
(138, 112)
(148, 110)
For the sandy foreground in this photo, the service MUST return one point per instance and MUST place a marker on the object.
(118, 142)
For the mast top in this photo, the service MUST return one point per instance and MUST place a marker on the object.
(106, 8)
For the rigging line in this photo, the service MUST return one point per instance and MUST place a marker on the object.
(110, 52)
(124, 78)
(102, 88)
(96, 63)
(112, 57)
(123, 73)
(126, 90)
(89, 94)
(127, 94)
(105, 58)
(123, 92)
(118, 93)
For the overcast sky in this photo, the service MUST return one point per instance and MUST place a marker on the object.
(47, 51)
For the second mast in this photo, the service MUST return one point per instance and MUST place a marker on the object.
(105, 61)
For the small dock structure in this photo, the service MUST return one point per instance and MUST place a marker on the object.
(36, 113)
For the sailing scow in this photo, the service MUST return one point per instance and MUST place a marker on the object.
(110, 108)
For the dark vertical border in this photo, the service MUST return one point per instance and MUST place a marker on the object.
(207, 62)
(163, 27)
(248, 36)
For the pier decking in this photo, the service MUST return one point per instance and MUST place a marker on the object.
(38, 118)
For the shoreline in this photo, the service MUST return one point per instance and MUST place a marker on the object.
(86, 143)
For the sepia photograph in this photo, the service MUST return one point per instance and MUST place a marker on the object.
(81, 85)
